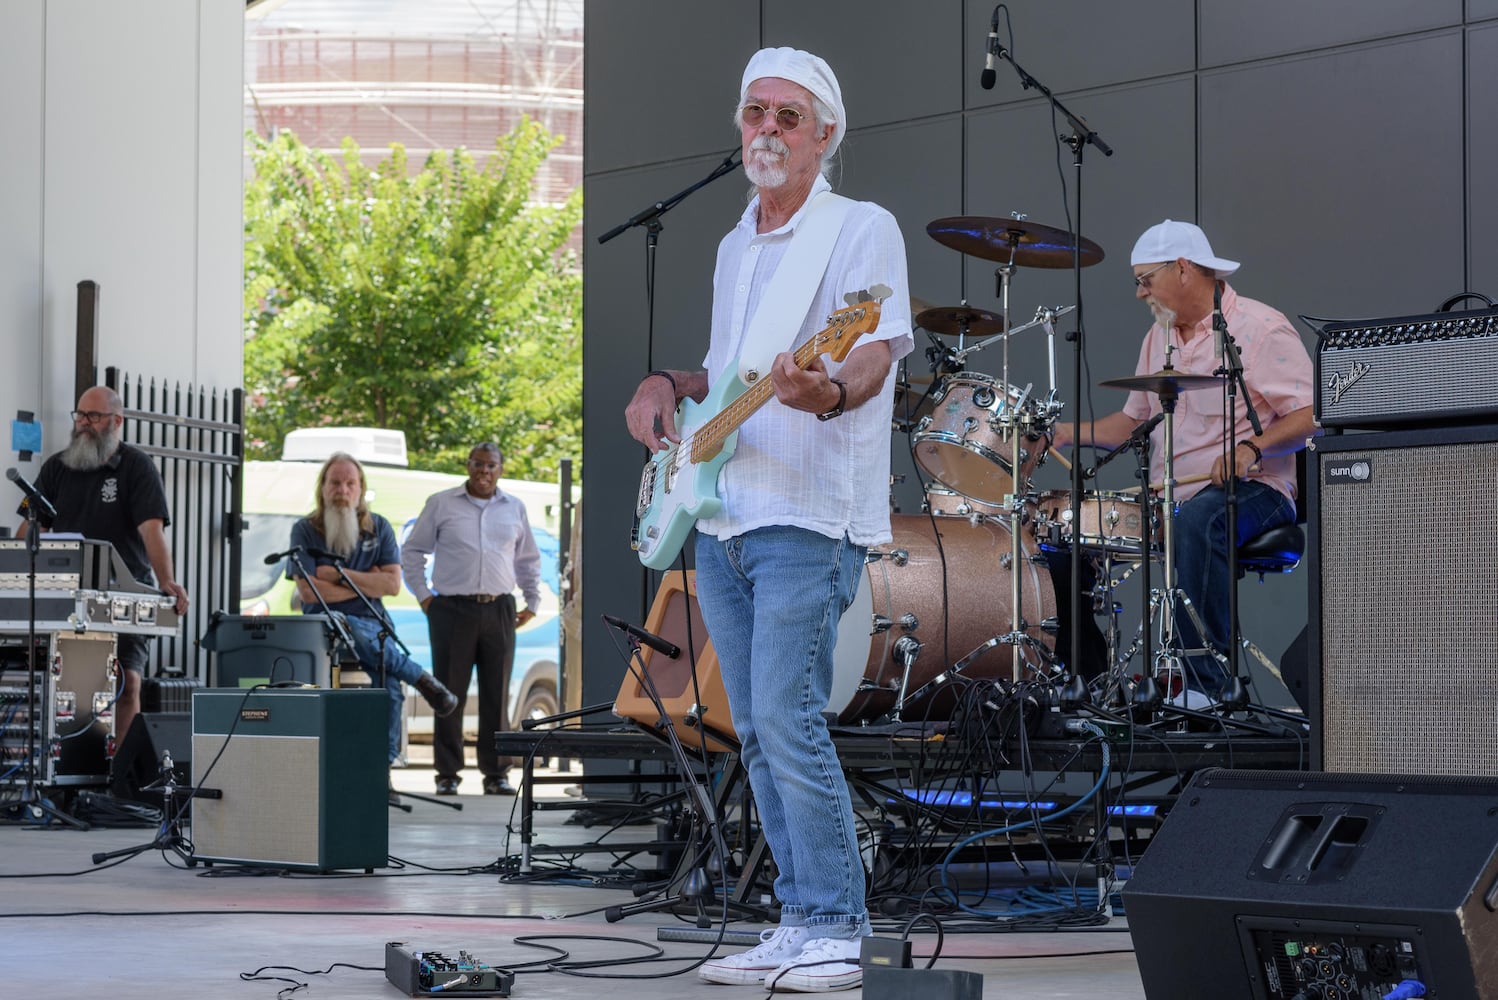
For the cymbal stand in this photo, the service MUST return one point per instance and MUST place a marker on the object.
(1011, 419)
(1231, 365)
(1167, 662)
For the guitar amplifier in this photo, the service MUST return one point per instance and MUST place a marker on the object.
(1442, 367)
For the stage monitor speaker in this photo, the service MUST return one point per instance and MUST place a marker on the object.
(697, 711)
(1274, 885)
(137, 763)
(303, 775)
(1404, 587)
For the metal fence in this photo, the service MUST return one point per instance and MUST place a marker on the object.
(196, 437)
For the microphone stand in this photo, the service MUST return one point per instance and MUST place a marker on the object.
(387, 632)
(650, 218)
(1231, 365)
(1081, 137)
(32, 800)
(697, 888)
(336, 621)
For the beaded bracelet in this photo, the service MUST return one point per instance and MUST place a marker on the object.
(1258, 455)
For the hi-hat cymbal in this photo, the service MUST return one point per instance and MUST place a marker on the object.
(1031, 244)
(1165, 382)
(955, 320)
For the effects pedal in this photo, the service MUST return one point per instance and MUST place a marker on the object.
(419, 973)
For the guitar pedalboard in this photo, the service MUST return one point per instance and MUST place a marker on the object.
(418, 973)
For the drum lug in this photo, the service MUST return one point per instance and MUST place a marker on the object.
(881, 625)
(923, 423)
(1006, 560)
(909, 622)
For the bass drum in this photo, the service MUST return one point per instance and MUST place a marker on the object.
(948, 586)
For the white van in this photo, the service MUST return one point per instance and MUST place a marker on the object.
(276, 494)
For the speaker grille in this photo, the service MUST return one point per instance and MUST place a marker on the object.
(1409, 608)
(270, 812)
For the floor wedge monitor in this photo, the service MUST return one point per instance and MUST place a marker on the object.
(1276, 885)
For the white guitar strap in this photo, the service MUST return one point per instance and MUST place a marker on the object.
(783, 307)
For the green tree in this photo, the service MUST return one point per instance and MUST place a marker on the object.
(440, 302)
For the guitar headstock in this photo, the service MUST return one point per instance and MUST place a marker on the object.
(845, 326)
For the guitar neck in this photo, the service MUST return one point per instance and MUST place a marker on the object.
(708, 439)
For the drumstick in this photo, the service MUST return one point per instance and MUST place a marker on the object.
(1157, 487)
(1199, 478)
(1060, 458)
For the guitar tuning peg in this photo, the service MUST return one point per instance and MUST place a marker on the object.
(879, 292)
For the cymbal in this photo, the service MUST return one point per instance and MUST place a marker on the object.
(1032, 245)
(954, 320)
(919, 305)
(1166, 381)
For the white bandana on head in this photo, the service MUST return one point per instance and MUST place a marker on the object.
(811, 72)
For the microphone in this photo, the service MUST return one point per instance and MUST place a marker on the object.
(663, 646)
(41, 504)
(1136, 435)
(1219, 324)
(987, 77)
(276, 557)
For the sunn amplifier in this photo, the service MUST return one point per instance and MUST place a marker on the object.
(1442, 367)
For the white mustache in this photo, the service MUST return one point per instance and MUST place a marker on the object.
(771, 144)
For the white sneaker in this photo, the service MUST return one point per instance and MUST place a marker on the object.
(825, 964)
(777, 947)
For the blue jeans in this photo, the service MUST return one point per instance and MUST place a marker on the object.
(771, 599)
(398, 667)
(1202, 566)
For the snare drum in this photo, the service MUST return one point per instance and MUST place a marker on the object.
(1111, 522)
(963, 443)
(945, 503)
(902, 595)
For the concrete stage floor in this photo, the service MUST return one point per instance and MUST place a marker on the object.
(151, 928)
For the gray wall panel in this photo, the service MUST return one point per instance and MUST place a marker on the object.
(1482, 152)
(1233, 31)
(1312, 193)
(655, 90)
(894, 59)
(1478, 9)
(1079, 44)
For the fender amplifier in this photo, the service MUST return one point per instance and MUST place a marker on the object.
(1442, 367)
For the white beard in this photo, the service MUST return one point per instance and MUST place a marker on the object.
(87, 451)
(1163, 316)
(767, 171)
(341, 529)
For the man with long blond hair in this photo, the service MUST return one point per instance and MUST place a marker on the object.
(343, 530)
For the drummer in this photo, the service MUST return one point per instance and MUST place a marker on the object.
(1177, 275)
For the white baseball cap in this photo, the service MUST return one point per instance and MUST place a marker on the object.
(1170, 240)
(811, 72)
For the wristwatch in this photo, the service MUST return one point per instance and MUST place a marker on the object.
(842, 398)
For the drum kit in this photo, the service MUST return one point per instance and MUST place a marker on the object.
(964, 591)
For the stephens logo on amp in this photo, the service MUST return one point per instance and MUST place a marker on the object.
(1347, 470)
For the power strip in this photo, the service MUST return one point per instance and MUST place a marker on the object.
(430, 973)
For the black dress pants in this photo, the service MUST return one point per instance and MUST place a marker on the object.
(466, 634)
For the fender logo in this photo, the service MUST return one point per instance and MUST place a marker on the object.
(1339, 384)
